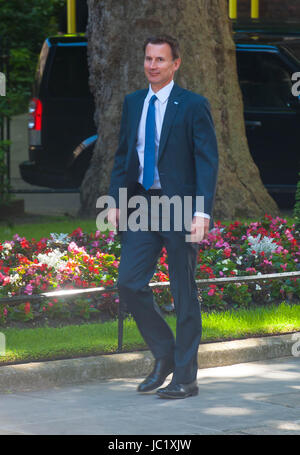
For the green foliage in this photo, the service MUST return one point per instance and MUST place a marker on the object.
(26, 24)
(297, 206)
(238, 293)
(5, 196)
(24, 27)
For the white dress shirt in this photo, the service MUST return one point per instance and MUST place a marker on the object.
(160, 109)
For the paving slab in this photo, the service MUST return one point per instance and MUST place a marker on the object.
(248, 398)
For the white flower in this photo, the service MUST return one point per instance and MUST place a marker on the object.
(225, 261)
(52, 259)
(266, 245)
(14, 278)
(59, 238)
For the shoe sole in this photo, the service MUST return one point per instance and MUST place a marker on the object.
(191, 394)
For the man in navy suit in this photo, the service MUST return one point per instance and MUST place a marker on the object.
(167, 147)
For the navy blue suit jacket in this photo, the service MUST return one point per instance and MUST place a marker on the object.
(188, 154)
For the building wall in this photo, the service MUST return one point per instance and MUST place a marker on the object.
(272, 9)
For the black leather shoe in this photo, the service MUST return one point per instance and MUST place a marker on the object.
(178, 390)
(162, 369)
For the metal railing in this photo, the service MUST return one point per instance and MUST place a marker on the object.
(16, 300)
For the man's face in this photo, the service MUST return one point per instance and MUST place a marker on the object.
(159, 65)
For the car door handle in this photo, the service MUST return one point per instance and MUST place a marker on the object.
(253, 123)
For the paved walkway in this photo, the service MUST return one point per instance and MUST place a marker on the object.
(249, 398)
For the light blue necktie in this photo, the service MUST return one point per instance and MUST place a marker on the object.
(149, 151)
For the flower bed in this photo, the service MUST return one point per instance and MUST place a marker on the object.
(79, 260)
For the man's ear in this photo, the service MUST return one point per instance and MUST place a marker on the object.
(177, 63)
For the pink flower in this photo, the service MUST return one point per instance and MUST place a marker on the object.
(111, 235)
(6, 280)
(73, 247)
(220, 243)
(28, 289)
(211, 291)
(267, 262)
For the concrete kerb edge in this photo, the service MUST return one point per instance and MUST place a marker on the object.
(40, 375)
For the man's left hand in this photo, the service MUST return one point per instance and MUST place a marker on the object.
(199, 229)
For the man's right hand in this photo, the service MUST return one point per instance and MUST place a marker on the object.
(113, 216)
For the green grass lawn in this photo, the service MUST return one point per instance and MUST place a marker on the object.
(24, 345)
(44, 225)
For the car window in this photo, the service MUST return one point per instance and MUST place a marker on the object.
(68, 76)
(264, 80)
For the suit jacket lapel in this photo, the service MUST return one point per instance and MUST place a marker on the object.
(171, 111)
(137, 117)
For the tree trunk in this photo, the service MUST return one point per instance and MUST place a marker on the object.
(116, 32)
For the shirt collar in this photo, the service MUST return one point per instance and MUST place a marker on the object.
(163, 94)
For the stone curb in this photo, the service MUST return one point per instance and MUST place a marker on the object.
(41, 375)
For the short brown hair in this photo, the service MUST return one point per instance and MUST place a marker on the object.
(161, 39)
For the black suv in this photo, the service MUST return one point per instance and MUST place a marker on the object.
(267, 58)
(62, 132)
(61, 125)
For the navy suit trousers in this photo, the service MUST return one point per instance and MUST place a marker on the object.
(139, 255)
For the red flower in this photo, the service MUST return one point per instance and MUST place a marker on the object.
(227, 252)
(77, 232)
(27, 307)
(23, 259)
(24, 243)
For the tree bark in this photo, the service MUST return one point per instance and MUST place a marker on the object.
(116, 32)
